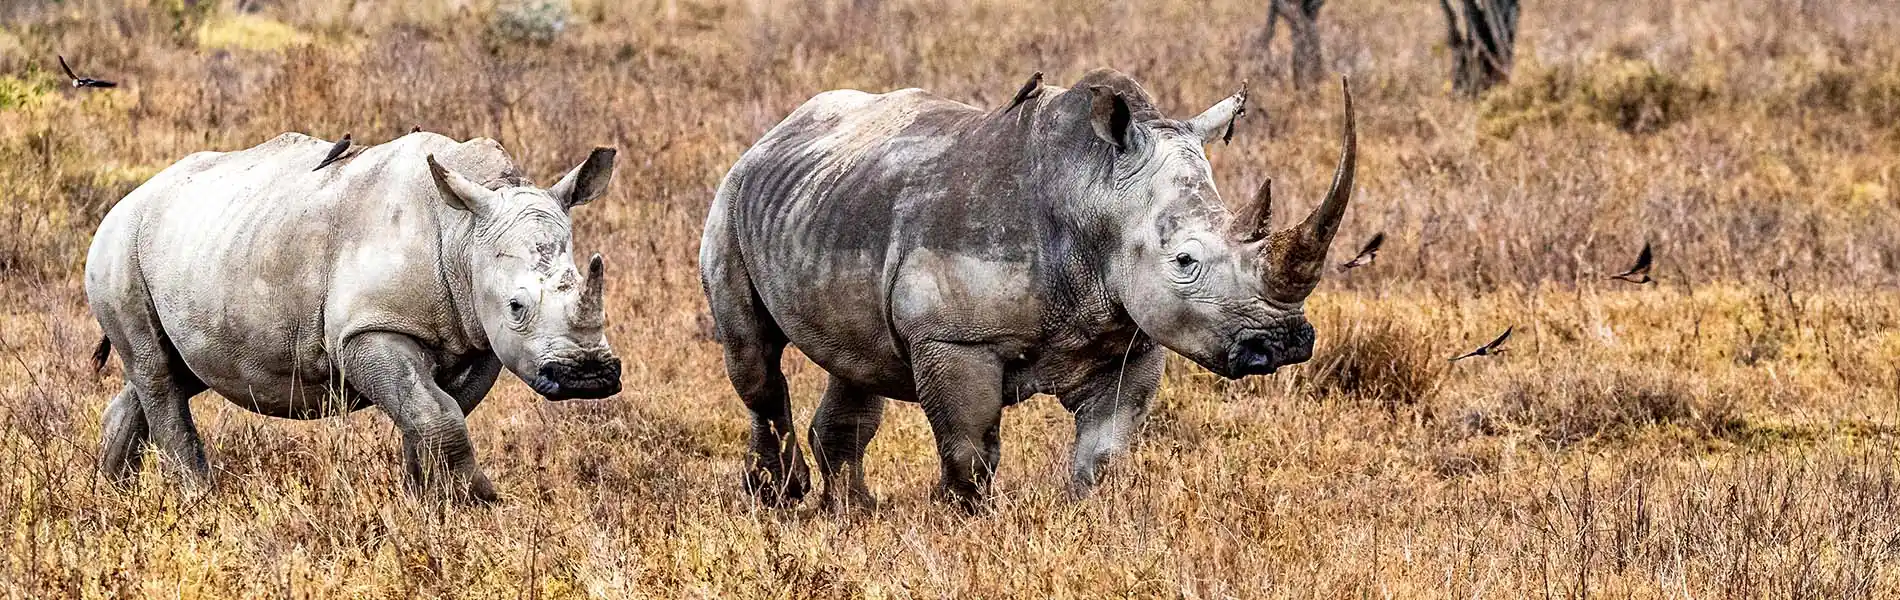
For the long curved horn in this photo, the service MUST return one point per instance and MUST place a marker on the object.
(1316, 232)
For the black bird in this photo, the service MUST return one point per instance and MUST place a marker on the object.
(1030, 89)
(80, 82)
(1366, 254)
(1494, 348)
(342, 145)
(416, 129)
(1638, 274)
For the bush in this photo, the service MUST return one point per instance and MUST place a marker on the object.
(1382, 359)
(1632, 95)
(529, 21)
(1610, 403)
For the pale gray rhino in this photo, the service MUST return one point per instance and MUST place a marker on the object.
(406, 276)
(923, 249)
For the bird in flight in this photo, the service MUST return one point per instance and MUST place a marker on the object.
(1366, 253)
(1494, 348)
(342, 145)
(1638, 274)
(80, 82)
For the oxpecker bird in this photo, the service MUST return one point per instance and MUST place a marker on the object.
(1494, 348)
(336, 152)
(80, 82)
(1366, 253)
(1638, 274)
(1029, 90)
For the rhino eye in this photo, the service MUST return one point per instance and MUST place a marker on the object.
(1184, 259)
(516, 309)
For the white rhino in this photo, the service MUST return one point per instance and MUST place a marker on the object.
(392, 278)
(922, 249)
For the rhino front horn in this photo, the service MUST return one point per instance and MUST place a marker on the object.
(1316, 232)
(593, 296)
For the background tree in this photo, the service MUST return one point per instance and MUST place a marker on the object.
(1302, 17)
(1481, 41)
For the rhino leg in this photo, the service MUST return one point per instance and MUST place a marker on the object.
(123, 437)
(847, 419)
(775, 470)
(392, 370)
(163, 387)
(961, 390)
(1109, 410)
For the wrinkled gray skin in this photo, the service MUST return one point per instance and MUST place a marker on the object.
(384, 279)
(921, 249)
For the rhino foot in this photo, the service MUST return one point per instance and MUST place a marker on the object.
(774, 484)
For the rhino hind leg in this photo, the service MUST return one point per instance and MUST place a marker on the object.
(159, 386)
(775, 469)
(847, 419)
(123, 438)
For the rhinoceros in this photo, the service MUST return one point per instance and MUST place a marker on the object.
(923, 249)
(406, 276)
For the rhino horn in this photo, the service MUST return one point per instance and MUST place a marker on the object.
(1315, 234)
(593, 295)
(1251, 225)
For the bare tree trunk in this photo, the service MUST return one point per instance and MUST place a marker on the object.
(1302, 18)
(1482, 51)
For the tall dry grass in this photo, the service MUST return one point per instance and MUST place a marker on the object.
(1728, 432)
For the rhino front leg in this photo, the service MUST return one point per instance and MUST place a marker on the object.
(1109, 411)
(392, 370)
(961, 390)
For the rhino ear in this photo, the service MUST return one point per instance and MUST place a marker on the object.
(1110, 116)
(586, 182)
(1219, 120)
(458, 191)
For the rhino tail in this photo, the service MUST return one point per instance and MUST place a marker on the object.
(100, 353)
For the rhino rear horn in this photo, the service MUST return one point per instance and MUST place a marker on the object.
(1253, 222)
(1316, 232)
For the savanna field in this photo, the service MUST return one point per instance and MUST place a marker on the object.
(1730, 431)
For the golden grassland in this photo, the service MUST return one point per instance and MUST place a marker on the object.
(1729, 432)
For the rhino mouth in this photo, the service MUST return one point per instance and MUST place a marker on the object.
(1264, 351)
(582, 380)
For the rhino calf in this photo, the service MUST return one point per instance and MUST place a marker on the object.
(393, 278)
(923, 249)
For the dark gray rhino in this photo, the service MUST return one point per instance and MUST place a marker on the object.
(923, 249)
(392, 278)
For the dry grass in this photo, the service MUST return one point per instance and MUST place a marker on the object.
(1730, 432)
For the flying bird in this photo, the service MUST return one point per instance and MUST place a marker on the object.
(1638, 274)
(1366, 253)
(1494, 348)
(80, 82)
(342, 145)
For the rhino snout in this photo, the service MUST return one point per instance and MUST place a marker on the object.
(589, 377)
(1264, 351)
